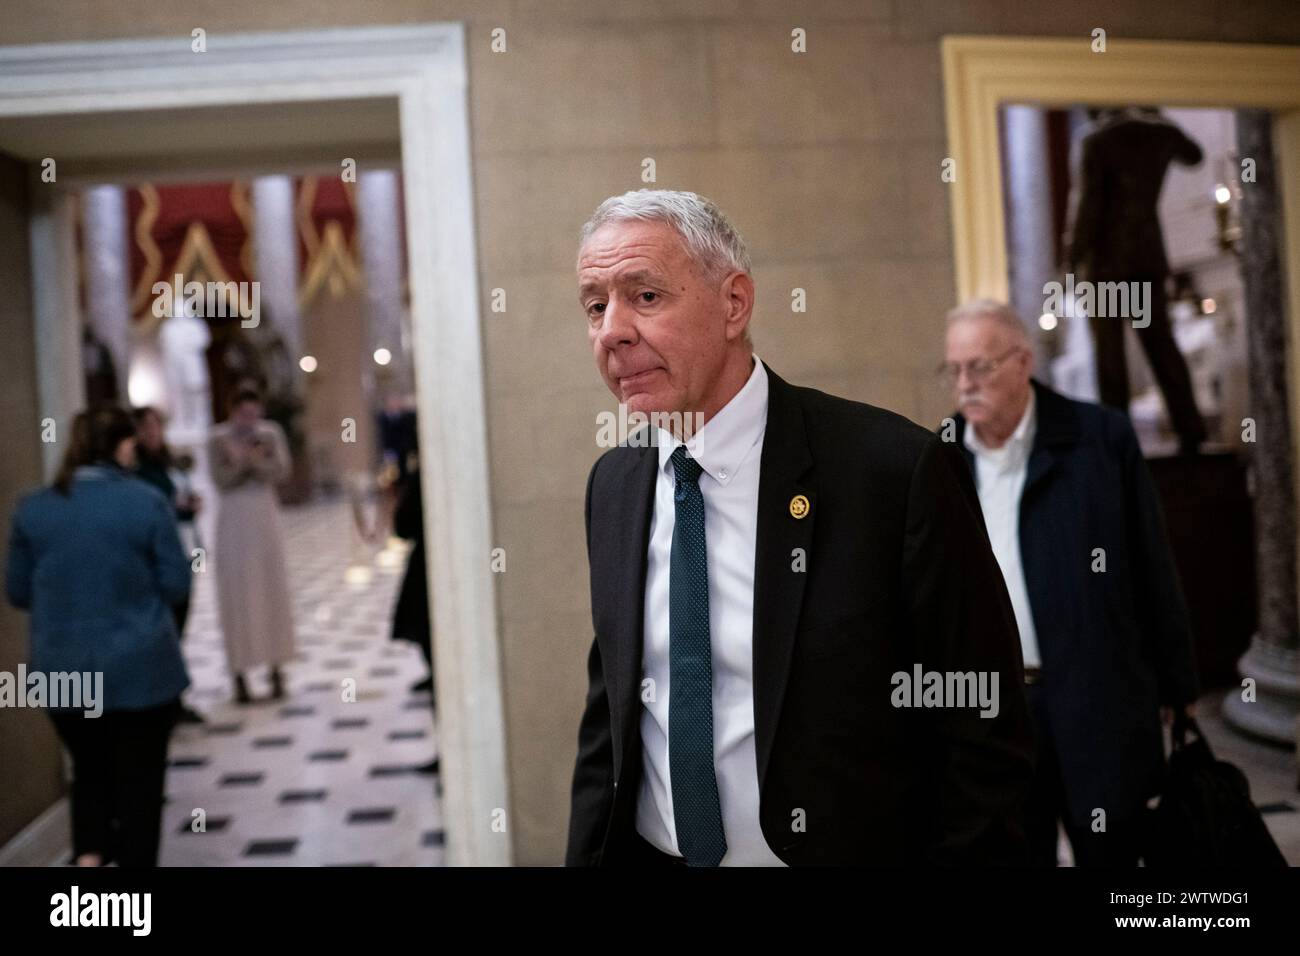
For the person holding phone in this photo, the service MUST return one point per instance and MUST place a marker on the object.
(249, 456)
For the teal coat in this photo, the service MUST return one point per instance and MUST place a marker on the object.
(100, 569)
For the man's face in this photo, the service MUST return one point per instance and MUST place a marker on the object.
(996, 396)
(658, 329)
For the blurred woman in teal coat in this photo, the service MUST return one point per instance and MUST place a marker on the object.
(97, 560)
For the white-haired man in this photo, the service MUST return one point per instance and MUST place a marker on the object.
(1075, 524)
(759, 585)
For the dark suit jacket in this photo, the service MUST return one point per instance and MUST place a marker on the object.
(899, 571)
(1114, 645)
(1117, 226)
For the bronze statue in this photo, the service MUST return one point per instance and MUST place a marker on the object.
(1117, 238)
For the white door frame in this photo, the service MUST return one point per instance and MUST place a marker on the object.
(423, 67)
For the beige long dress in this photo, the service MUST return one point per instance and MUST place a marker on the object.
(253, 601)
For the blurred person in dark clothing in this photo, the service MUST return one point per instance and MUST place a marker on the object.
(1076, 527)
(97, 560)
(97, 367)
(397, 436)
(155, 464)
(411, 614)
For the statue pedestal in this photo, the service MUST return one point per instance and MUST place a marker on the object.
(1273, 713)
(1209, 521)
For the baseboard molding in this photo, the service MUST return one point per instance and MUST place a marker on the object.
(43, 842)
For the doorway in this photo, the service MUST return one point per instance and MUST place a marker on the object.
(78, 114)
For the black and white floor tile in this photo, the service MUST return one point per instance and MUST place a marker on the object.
(316, 779)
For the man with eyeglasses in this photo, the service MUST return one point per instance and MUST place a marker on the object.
(1076, 527)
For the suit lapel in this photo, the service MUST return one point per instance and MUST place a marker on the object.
(1055, 431)
(638, 478)
(785, 472)
(1041, 462)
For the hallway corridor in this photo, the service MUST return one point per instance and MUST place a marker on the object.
(311, 780)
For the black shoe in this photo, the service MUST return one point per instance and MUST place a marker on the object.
(421, 686)
(188, 715)
(277, 684)
(242, 696)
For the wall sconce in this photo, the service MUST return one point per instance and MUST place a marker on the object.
(1227, 218)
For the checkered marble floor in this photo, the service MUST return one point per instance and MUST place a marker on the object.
(313, 779)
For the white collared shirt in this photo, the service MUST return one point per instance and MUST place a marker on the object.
(1000, 477)
(729, 449)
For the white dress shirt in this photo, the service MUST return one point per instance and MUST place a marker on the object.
(1000, 477)
(729, 449)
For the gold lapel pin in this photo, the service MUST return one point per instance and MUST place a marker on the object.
(799, 507)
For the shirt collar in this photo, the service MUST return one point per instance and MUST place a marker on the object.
(724, 443)
(1020, 440)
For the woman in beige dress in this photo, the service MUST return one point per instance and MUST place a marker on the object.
(249, 456)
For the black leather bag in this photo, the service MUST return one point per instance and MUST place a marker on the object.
(1205, 816)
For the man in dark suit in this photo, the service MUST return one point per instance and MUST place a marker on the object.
(1075, 524)
(1117, 238)
(775, 572)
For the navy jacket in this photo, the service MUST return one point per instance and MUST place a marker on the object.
(99, 570)
(1115, 645)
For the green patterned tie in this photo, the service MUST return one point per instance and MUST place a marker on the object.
(697, 809)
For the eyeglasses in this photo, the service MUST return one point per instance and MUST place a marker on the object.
(977, 369)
